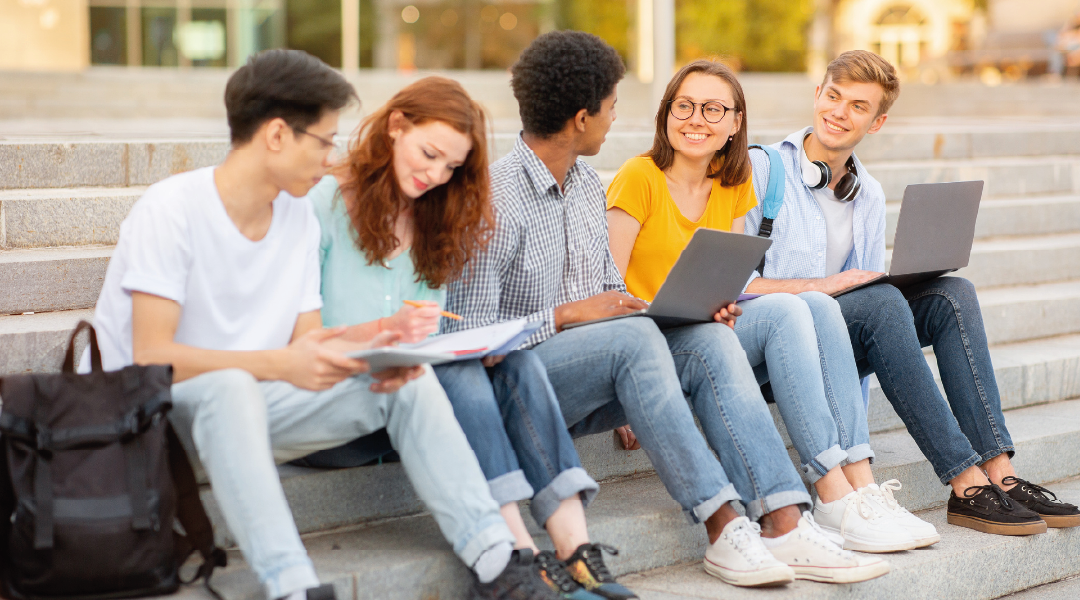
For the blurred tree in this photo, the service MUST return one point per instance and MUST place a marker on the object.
(752, 35)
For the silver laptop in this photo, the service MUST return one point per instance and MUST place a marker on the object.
(934, 233)
(710, 273)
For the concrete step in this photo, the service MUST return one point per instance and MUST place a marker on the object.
(1014, 314)
(40, 218)
(1030, 215)
(964, 564)
(49, 279)
(1021, 260)
(36, 343)
(1065, 589)
(637, 516)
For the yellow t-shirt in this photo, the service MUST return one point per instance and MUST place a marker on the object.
(640, 189)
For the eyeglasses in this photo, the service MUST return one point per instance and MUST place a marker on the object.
(712, 111)
(325, 142)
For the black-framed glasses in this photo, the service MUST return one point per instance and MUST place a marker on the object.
(325, 142)
(712, 111)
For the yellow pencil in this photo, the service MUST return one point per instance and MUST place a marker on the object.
(447, 314)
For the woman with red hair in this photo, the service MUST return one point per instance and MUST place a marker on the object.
(401, 217)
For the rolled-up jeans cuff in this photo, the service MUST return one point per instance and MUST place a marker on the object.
(510, 487)
(485, 534)
(763, 506)
(954, 472)
(823, 463)
(574, 480)
(293, 578)
(857, 453)
(998, 451)
(706, 509)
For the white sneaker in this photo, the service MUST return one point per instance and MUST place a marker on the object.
(813, 556)
(738, 557)
(862, 524)
(924, 533)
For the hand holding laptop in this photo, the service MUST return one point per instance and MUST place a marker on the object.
(596, 308)
(846, 279)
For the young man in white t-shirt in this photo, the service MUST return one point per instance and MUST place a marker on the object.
(216, 272)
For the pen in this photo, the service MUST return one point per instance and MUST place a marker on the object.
(447, 314)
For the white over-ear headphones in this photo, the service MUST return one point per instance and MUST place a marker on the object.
(817, 175)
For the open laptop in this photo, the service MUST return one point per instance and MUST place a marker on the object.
(933, 233)
(711, 271)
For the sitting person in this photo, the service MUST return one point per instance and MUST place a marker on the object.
(216, 273)
(830, 235)
(549, 260)
(698, 175)
(401, 217)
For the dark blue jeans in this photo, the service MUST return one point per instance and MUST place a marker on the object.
(889, 328)
(514, 424)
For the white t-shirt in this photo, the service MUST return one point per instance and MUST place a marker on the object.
(839, 236)
(179, 243)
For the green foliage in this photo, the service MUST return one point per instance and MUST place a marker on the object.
(754, 35)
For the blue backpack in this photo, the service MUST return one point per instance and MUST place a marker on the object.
(774, 195)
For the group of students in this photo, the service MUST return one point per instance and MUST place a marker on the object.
(256, 277)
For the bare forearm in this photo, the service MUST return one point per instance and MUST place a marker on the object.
(364, 331)
(782, 286)
(188, 361)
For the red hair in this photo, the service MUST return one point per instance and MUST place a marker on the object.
(454, 220)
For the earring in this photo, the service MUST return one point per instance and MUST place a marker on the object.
(730, 137)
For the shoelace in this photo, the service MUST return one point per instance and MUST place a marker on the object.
(991, 490)
(817, 536)
(862, 505)
(742, 537)
(886, 494)
(556, 571)
(595, 561)
(1046, 495)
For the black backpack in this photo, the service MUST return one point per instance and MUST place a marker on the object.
(92, 482)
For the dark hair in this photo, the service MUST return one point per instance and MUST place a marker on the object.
(452, 221)
(289, 84)
(732, 162)
(560, 73)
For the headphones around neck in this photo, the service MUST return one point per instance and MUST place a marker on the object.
(817, 175)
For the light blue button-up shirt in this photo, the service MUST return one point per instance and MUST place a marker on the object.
(799, 236)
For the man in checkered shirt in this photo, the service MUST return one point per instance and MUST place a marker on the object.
(549, 260)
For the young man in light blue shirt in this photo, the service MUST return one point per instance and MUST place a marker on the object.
(830, 235)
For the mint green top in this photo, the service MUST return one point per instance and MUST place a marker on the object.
(353, 291)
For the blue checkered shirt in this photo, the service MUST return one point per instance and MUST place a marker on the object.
(798, 248)
(550, 247)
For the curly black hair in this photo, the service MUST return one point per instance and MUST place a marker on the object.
(560, 73)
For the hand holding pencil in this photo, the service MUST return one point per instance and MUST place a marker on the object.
(447, 314)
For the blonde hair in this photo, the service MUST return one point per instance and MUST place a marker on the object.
(863, 66)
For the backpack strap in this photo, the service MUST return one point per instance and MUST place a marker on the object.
(198, 532)
(774, 195)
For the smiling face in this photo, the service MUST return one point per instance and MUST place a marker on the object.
(425, 155)
(696, 138)
(298, 160)
(844, 112)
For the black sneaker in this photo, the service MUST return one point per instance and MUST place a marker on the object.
(554, 573)
(987, 508)
(586, 566)
(1044, 502)
(520, 580)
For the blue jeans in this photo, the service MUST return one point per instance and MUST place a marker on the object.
(800, 345)
(888, 330)
(609, 374)
(238, 428)
(512, 421)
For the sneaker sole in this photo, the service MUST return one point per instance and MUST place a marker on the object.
(842, 574)
(771, 577)
(878, 548)
(927, 541)
(1060, 521)
(997, 528)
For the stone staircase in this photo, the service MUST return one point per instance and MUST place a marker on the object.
(62, 200)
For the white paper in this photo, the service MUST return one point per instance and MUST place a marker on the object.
(481, 339)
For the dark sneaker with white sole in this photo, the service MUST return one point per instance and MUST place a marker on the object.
(987, 508)
(586, 566)
(520, 580)
(1043, 502)
(323, 592)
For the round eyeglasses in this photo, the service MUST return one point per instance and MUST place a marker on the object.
(712, 111)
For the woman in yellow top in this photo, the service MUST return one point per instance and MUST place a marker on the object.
(698, 174)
